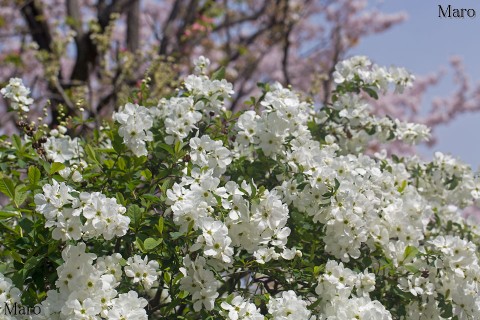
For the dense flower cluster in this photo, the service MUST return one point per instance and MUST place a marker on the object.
(288, 307)
(272, 213)
(142, 270)
(364, 204)
(18, 95)
(85, 216)
(63, 149)
(86, 290)
(9, 296)
(239, 309)
(135, 123)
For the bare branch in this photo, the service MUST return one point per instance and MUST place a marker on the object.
(168, 27)
(116, 6)
(133, 26)
(33, 14)
(230, 23)
(74, 13)
(86, 50)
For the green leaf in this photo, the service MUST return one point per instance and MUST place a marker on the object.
(371, 92)
(167, 148)
(147, 174)
(410, 252)
(109, 163)
(33, 175)
(135, 214)
(55, 167)
(139, 244)
(17, 142)
(449, 226)
(19, 277)
(26, 224)
(167, 277)
(120, 199)
(403, 186)
(9, 214)
(318, 269)
(118, 145)
(33, 262)
(175, 235)
(7, 187)
(21, 194)
(178, 147)
(411, 268)
(219, 74)
(121, 164)
(160, 225)
(447, 311)
(150, 243)
(91, 153)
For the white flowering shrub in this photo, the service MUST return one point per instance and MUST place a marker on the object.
(181, 209)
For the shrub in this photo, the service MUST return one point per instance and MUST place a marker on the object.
(180, 209)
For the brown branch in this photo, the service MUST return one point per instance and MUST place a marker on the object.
(168, 27)
(230, 23)
(34, 17)
(288, 26)
(245, 42)
(336, 36)
(228, 48)
(188, 20)
(133, 26)
(86, 49)
(74, 13)
(117, 6)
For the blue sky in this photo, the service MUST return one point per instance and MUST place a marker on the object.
(424, 44)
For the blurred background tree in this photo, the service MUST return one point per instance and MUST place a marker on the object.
(84, 56)
(84, 53)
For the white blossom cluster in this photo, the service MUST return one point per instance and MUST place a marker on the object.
(366, 204)
(200, 281)
(17, 93)
(448, 184)
(80, 215)
(284, 116)
(9, 296)
(211, 94)
(63, 149)
(259, 228)
(135, 124)
(142, 271)
(287, 306)
(179, 114)
(240, 309)
(364, 210)
(344, 294)
(87, 290)
(182, 114)
(354, 126)
(370, 74)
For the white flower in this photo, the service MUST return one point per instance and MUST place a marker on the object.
(142, 270)
(63, 149)
(288, 306)
(128, 306)
(240, 309)
(200, 282)
(201, 64)
(17, 93)
(135, 124)
(215, 240)
(9, 294)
